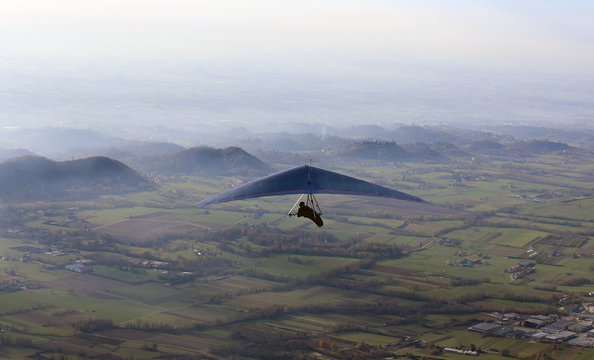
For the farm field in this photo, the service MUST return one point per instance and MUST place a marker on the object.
(148, 276)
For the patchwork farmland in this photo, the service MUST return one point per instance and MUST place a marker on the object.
(158, 278)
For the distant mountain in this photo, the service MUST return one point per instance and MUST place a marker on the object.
(56, 141)
(424, 152)
(360, 131)
(138, 149)
(61, 143)
(378, 150)
(450, 150)
(413, 134)
(486, 148)
(6, 154)
(38, 178)
(333, 137)
(390, 151)
(208, 161)
(268, 143)
(288, 142)
(524, 148)
(466, 136)
(288, 158)
(581, 137)
(538, 147)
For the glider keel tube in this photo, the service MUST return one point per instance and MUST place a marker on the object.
(306, 180)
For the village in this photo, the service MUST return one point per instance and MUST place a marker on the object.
(576, 328)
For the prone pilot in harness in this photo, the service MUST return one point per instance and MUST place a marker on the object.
(306, 211)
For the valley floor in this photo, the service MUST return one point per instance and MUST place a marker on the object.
(505, 249)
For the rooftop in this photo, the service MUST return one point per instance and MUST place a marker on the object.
(484, 327)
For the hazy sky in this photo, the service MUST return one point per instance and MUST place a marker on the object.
(234, 61)
(508, 33)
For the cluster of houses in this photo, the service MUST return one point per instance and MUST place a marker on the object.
(23, 257)
(460, 351)
(78, 268)
(577, 330)
(83, 266)
(59, 251)
(467, 261)
(450, 242)
(23, 232)
(27, 251)
(11, 285)
(16, 284)
(65, 216)
(149, 263)
(521, 269)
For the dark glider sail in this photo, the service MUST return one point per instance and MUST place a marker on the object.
(306, 180)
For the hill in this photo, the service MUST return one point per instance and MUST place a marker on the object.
(486, 147)
(56, 141)
(424, 152)
(6, 154)
(377, 150)
(64, 143)
(414, 133)
(392, 152)
(137, 149)
(582, 137)
(208, 161)
(538, 147)
(38, 178)
(450, 150)
(285, 142)
(524, 148)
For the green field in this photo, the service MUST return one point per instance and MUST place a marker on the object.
(166, 279)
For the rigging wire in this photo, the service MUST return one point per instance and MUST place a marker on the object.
(310, 201)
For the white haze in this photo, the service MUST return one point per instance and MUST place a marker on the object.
(133, 66)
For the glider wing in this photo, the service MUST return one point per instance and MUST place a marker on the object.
(306, 180)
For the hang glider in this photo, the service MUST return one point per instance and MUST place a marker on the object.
(309, 180)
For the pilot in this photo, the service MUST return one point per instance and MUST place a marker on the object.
(306, 211)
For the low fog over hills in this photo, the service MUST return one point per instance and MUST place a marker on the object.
(67, 144)
(115, 163)
(6, 154)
